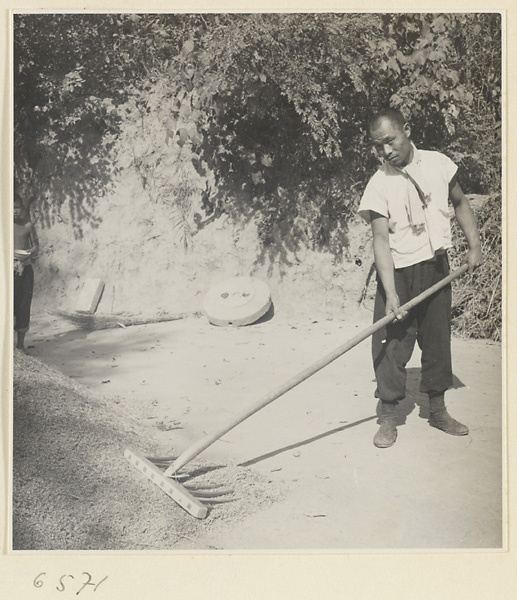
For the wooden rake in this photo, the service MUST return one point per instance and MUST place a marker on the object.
(168, 480)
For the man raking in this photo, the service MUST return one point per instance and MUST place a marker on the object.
(407, 204)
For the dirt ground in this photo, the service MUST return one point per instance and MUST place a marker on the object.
(304, 469)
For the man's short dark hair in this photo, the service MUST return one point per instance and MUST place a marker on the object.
(394, 116)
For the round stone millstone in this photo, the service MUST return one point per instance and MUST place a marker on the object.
(237, 301)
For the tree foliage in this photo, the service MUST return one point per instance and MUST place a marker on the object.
(261, 116)
(445, 74)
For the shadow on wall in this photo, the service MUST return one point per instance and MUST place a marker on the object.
(284, 242)
(75, 177)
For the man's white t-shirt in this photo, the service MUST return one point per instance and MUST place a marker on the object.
(415, 200)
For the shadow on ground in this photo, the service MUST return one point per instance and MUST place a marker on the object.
(415, 398)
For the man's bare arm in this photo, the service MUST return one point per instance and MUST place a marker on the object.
(467, 222)
(384, 262)
(33, 239)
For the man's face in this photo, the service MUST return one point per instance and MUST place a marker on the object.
(391, 143)
(17, 210)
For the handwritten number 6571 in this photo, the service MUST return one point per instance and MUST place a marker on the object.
(38, 582)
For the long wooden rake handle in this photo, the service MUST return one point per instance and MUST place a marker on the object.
(208, 440)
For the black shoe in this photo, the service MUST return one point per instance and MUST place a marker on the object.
(386, 436)
(443, 420)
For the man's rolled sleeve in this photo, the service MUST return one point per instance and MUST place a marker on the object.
(448, 167)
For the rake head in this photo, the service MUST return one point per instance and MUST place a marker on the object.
(186, 495)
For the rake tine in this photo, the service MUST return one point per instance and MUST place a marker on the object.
(180, 477)
(221, 501)
(197, 494)
(161, 459)
(177, 477)
(203, 487)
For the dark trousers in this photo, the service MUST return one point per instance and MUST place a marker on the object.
(428, 323)
(23, 286)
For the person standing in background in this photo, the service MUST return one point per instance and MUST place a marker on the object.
(25, 249)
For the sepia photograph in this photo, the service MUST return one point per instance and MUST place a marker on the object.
(257, 295)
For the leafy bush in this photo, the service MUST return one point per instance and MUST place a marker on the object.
(477, 298)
